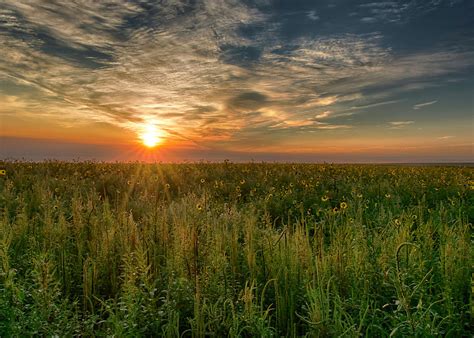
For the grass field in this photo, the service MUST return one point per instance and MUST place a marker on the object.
(235, 250)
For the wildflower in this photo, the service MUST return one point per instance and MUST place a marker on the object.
(3, 172)
(360, 195)
(199, 207)
(56, 190)
(129, 182)
(343, 205)
(242, 181)
(388, 195)
(325, 198)
(335, 209)
(167, 185)
(397, 221)
(414, 217)
(203, 180)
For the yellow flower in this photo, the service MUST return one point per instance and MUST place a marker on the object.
(242, 181)
(325, 198)
(388, 195)
(335, 209)
(167, 185)
(343, 205)
(397, 221)
(199, 207)
(203, 180)
(3, 172)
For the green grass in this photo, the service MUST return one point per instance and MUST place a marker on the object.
(235, 250)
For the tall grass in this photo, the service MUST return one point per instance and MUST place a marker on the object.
(235, 250)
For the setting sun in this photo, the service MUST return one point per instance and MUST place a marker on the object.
(150, 136)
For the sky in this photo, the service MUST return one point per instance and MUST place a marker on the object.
(271, 80)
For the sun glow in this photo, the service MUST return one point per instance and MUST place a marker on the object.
(150, 136)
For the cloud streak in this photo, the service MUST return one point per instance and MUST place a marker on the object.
(422, 105)
(401, 123)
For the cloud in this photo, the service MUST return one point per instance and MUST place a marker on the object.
(307, 125)
(400, 124)
(396, 11)
(323, 115)
(251, 100)
(368, 19)
(447, 137)
(187, 66)
(372, 105)
(312, 15)
(421, 105)
(328, 126)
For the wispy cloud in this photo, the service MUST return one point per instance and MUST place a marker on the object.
(400, 124)
(421, 105)
(396, 11)
(313, 15)
(208, 69)
(377, 104)
(323, 115)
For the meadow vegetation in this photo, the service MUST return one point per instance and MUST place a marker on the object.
(227, 249)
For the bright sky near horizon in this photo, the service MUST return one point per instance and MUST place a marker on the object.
(294, 80)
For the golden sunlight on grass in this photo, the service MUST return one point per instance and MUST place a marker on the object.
(150, 136)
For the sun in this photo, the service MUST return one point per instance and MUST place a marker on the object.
(150, 136)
